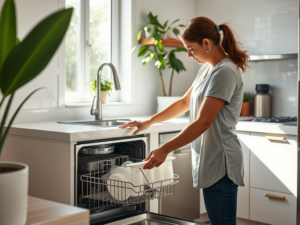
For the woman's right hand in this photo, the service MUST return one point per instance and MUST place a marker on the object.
(141, 125)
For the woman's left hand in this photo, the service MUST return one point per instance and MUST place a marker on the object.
(155, 158)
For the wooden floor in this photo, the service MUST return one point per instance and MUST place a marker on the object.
(204, 219)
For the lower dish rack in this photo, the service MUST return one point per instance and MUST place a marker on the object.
(125, 193)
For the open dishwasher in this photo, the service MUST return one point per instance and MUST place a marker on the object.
(107, 199)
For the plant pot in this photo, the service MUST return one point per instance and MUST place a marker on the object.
(164, 101)
(13, 193)
(103, 96)
(245, 109)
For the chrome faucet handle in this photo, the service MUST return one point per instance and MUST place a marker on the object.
(94, 111)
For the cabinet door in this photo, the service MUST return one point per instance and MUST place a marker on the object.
(273, 163)
(243, 192)
(272, 207)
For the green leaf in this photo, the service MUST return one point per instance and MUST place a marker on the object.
(138, 37)
(175, 31)
(175, 63)
(143, 50)
(2, 140)
(181, 25)
(8, 30)
(153, 20)
(156, 37)
(147, 29)
(165, 24)
(174, 21)
(5, 115)
(160, 46)
(33, 54)
(161, 62)
(147, 59)
(180, 50)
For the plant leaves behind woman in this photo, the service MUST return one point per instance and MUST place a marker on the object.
(248, 96)
(22, 61)
(157, 52)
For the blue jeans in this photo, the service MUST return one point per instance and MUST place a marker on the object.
(221, 202)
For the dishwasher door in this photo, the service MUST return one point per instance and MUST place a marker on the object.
(186, 201)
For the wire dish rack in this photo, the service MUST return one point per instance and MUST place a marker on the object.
(100, 191)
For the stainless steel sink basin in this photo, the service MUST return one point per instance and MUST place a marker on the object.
(101, 123)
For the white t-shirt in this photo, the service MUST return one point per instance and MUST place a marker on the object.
(218, 149)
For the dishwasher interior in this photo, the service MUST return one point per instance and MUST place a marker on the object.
(99, 195)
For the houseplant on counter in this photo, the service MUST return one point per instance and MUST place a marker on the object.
(246, 107)
(106, 87)
(163, 59)
(20, 62)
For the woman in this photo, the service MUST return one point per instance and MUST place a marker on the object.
(214, 100)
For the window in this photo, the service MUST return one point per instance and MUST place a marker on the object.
(88, 44)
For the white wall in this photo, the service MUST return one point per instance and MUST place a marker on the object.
(263, 27)
(141, 83)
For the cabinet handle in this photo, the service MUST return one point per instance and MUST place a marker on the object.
(275, 196)
(273, 138)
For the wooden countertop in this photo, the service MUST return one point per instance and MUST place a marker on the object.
(44, 212)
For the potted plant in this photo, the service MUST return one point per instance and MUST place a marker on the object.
(20, 62)
(163, 59)
(106, 87)
(245, 111)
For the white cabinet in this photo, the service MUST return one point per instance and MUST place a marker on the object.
(273, 163)
(243, 192)
(273, 171)
(277, 209)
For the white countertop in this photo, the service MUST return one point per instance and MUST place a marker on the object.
(71, 132)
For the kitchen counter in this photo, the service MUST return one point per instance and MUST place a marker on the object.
(41, 211)
(71, 132)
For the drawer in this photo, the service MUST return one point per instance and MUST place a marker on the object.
(273, 163)
(271, 210)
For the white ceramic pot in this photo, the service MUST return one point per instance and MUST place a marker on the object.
(103, 96)
(13, 194)
(164, 101)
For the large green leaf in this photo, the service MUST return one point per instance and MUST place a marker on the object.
(8, 30)
(143, 50)
(2, 139)
(33, 54)
(175, 31)
(153, 20)
(175, 63)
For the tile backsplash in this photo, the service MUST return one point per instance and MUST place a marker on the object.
(263, 27)
(281, 75)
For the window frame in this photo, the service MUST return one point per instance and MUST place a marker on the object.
(83, 94)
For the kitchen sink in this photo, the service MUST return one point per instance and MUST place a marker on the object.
(101, 123)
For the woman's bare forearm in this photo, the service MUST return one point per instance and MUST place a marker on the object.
(177, 108)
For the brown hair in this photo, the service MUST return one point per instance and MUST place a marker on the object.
(201, 27)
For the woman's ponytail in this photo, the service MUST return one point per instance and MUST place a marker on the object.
(202, 27)
(231, 47)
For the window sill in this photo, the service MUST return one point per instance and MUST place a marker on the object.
(88, 104)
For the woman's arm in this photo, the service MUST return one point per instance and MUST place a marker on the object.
(177, 108)
(209, 110)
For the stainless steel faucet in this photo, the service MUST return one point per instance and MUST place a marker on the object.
(98, 111)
